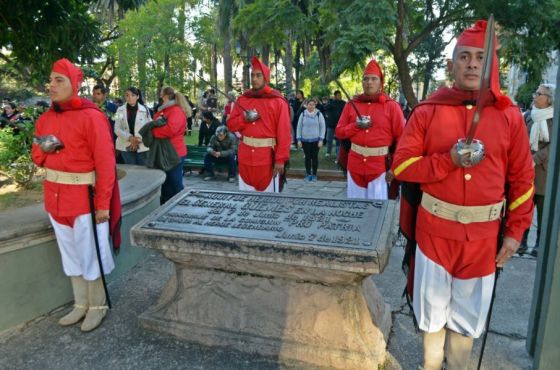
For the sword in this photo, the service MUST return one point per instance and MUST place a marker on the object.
(349, 99)
(96, 240)
(485, 78)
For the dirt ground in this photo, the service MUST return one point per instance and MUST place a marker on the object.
(13, 196)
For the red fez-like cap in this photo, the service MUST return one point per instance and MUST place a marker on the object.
(474, 37)
(257, 65)
(75, 74)
(373, 68)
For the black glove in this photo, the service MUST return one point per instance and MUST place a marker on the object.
(161, 121)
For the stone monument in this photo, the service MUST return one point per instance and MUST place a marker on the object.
(275, 275)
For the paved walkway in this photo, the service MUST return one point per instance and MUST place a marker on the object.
(120, 343)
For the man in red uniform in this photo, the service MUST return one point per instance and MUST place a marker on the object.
(367, 159)
(266, 134)
(85, 157)
(458, 219)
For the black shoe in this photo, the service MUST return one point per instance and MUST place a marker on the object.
(534, 252)
(522, 249)
(201, 171)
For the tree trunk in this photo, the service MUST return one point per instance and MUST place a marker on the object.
(297, 62)
(228, 62)
(214, 75)
(265, 56)
(400, 57)
(181, 21)
(142, 75)
(288, 60)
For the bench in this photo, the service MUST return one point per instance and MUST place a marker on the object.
(195, 159)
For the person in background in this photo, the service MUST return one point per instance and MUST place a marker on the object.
(539, 122)
(207, 128)
(191, 117)
(333, 111)
(221, 149)
(10, 113)
(99, 97)
(175, 109)
(129, 119)
(310, 132)
(297, 108)
(229, 106)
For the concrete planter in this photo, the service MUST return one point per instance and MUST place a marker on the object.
(32, 282)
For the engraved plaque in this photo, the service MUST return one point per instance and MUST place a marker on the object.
(344, 223)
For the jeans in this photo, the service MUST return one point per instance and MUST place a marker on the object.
(311, 151)
(210, 160)
(173, 183)
(136, 158)
(329, 139)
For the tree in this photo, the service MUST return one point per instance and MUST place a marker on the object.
(33, 34)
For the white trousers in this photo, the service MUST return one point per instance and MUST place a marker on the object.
(271, 188)
(442, 300)
(77, 248)
(376, 189)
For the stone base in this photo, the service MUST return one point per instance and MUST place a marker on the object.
(342, 326)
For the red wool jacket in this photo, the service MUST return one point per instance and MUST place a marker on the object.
(175, 128)
(388, 123)
(423, 157)
(274, 123)
(88, 146)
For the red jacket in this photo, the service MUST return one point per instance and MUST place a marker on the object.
(388, 123)
(423, 157)
(175, 128)
(88, 146)
(274, 123)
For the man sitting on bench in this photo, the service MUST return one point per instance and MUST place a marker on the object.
(222, 148)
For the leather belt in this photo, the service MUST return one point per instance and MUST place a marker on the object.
(70, 178)
(258, 142)
(462, 214)
(370, 152)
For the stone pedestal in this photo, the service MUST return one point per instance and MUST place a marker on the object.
(274, 275)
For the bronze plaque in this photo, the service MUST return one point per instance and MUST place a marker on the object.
(345, 223)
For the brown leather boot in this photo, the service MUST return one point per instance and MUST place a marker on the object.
(79, 287)
(97, 305)
(458, 350)
(433, 350)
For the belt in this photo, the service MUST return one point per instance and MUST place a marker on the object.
(370, 152)
(258, 142)
(462, 214)
(70, 178)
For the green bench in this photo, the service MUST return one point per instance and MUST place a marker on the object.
(195, 159)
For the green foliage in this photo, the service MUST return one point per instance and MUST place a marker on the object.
(15, 153)
(524, 95)
(33, 34)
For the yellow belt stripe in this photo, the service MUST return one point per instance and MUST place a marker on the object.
(522, 199)
(401, 167)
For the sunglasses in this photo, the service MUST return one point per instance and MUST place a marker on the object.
(537, 94)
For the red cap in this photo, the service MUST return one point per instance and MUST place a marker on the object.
(75, 74)
(373, 68)
(257, 65)
(474, 37)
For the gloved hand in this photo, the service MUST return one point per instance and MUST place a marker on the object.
(251, 115)
(160, 121)
(363, 122)
(48, 143)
